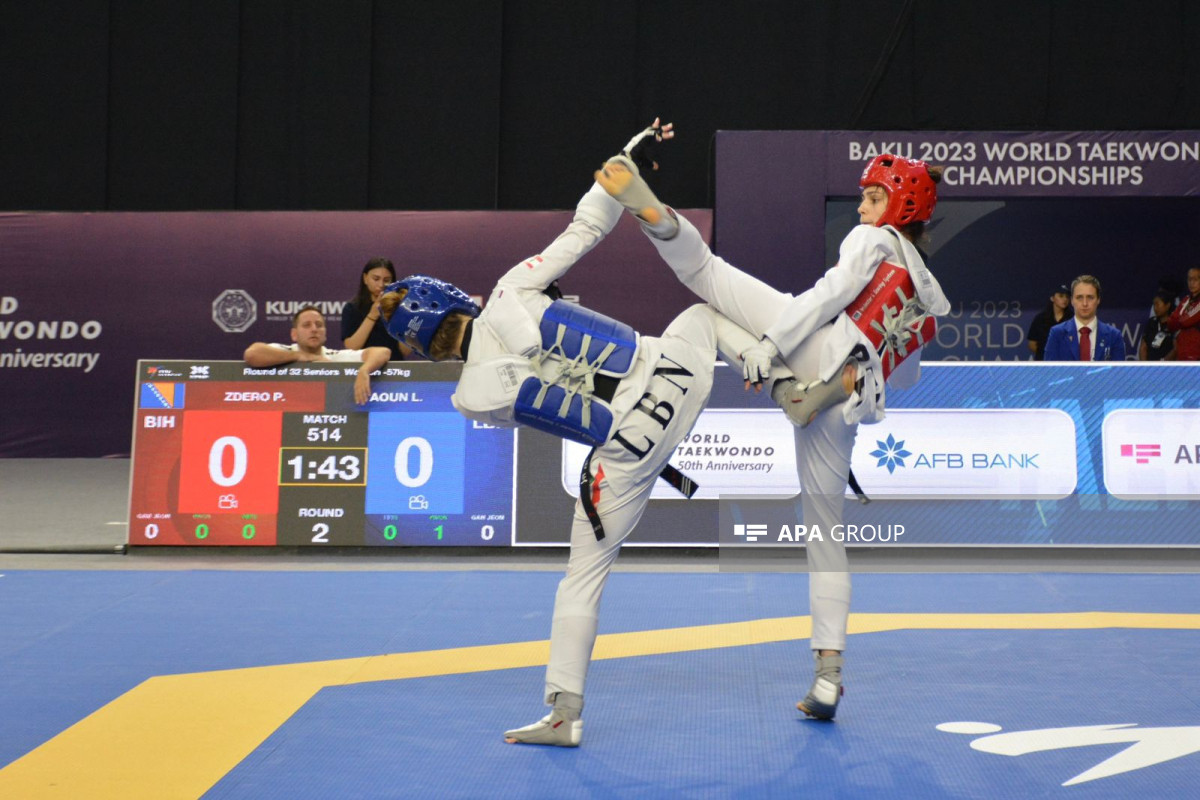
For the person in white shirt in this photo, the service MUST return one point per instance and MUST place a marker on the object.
(860, 327)
(533, 360)
(308, 344)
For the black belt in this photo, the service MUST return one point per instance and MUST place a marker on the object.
(854, 487)
(682, 483)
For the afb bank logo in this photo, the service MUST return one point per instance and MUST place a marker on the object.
(234, 310)
(1147, 746)
(891, 453)
(962, 453)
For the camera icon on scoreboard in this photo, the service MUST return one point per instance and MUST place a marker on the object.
(227, 501)
(418, 503)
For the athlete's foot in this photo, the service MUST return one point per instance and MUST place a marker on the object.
(620, 178)
(821, 702)
(802, 402)
(562, 727)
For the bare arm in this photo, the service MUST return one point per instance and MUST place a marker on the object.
(358, 339)
(373, 358)
(261, 354)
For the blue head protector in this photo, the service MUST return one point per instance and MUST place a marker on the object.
(422, 310)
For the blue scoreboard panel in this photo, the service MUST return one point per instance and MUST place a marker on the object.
(225, 454)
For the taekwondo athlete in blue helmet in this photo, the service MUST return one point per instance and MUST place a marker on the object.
(558, 367)
(860, 328)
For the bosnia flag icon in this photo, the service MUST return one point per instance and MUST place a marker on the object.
(162, 395)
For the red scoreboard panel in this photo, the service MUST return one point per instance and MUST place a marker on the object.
(225, 454)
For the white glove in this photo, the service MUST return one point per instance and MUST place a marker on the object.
(756, 362)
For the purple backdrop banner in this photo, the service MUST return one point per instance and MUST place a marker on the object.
(1018, 214)
(84, 296)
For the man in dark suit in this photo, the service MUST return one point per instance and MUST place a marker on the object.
(1083, 337)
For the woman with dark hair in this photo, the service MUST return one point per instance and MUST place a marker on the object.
(361, 326)
(860, 328)
(1158, 342)
(1057, 310)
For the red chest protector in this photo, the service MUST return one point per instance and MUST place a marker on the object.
(889, 314)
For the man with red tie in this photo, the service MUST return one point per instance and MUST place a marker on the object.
(1083, 337)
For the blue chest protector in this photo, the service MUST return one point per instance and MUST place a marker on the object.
(576, 345)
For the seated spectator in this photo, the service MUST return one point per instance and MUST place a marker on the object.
(308, 344)
(361, 326)
(1185, 320)
(1057, 310)
(1083, 337)
(1158, 343)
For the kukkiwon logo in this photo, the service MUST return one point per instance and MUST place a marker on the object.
(891, 453)
(234, 310)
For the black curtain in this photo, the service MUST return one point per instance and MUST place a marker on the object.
(510, 104)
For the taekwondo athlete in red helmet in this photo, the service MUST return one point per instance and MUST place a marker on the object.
(556, 366)
(859, 328)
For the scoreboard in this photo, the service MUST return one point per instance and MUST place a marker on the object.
(226, 454)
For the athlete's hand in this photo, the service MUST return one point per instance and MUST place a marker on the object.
(756, 363)
(641, 146)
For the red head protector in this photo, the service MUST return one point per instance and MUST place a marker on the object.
(912, 194)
